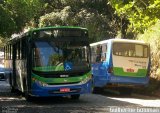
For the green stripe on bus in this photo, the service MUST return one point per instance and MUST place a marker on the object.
(120, 72)
(49, 68)
(58, 27)
(61, 80)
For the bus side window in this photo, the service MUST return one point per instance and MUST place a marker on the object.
(139, 50)
(23, 48)
(145, 52)
(104, 52)
(93, 56)
(98, 53)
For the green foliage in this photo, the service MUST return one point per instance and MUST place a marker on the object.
(16, 13)
(2, 42)
(99, 16)
(95, 15)
(56, 18)
(140, 13)
(7, 24)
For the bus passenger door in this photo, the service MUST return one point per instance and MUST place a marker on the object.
(14, 66)
(99, 67)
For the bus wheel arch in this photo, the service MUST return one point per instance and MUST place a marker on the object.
(98, 90)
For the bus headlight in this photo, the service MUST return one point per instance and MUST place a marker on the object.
(41, 83)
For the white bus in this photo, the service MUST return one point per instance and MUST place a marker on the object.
(120, 63)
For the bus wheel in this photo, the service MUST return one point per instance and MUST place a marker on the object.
(98, 90)
(13, 90)
(26, 94)
(75, 97)
(125, 91)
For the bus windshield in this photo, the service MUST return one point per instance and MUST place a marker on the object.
(130, 50)
(60, 56)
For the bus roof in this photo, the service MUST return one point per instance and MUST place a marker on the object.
(18, 36)
(100, 42)
(117, 40)
(58, 27)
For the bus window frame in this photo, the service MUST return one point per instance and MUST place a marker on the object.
(144, 46)
(102, 53)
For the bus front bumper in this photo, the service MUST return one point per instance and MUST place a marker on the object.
(60, 90)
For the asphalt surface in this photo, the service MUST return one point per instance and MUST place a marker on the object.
(106, 102)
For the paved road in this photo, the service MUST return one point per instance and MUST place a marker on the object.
(91, 103)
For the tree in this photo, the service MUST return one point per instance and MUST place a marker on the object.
(16, 14)
(96, 15)
(7, 24)
(141, 13)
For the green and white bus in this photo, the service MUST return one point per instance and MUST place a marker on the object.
(50, 61)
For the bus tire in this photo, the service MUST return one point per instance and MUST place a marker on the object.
(13, 90)
(27, 96)
(125, 91)
(98, 90)
(75, 97)
(9, 79)
(26, 93)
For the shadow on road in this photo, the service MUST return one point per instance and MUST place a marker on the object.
(116, 94)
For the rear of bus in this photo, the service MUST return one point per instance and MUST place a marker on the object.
(129, 62)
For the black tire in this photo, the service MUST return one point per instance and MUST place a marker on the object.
(98, 90)
(75, 97)
(125, 91)
(10, 80)
(26, 93)
(28, 97)
(13, 90)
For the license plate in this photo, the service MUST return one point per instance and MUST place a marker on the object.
(65, 90)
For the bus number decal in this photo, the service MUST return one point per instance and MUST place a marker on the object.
(130, 70)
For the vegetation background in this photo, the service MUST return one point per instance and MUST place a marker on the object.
(131, 19)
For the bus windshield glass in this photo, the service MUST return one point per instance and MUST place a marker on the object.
(130, 50)
(60, 56)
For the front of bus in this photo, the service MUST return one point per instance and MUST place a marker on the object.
(129, 63)
(60, 62)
